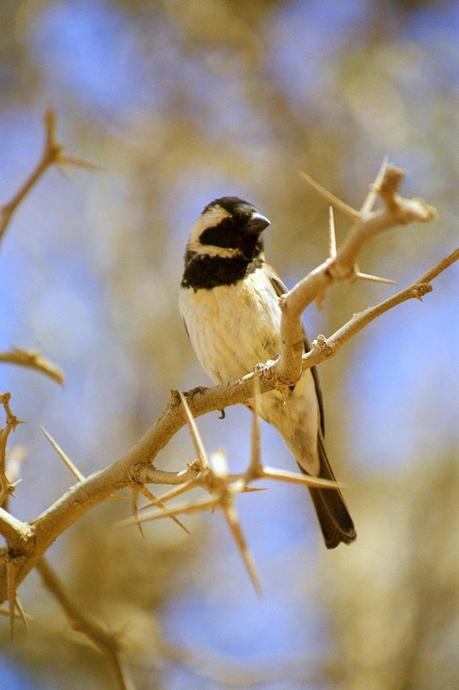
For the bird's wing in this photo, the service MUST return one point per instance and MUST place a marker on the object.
(280, 289)
(186, 329)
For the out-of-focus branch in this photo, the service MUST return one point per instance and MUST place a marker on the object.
(32, 360)
(53, 154)
(50, 155)
(105, 641)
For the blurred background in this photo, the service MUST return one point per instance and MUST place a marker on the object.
(182, 102)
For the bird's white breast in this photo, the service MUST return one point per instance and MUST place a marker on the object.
(233, 327)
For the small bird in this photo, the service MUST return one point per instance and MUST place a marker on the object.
(229, 301)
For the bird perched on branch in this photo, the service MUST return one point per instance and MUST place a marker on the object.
(229, 300)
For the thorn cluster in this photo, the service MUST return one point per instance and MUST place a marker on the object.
(214, 477)
(381, 186)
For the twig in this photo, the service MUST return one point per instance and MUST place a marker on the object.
(32, 360)
(103, 640)
(442, 265)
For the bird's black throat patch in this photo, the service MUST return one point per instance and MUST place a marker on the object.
(204, 272)
(231, 233)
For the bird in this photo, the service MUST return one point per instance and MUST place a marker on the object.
(229, 300)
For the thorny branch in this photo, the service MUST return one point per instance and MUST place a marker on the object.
(136, 467)
(223, 487)
(26, 543)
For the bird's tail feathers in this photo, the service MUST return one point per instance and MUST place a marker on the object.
(334, 518)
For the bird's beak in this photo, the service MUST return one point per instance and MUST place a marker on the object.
(257, 223)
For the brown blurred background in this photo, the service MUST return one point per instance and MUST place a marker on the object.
(181, 102)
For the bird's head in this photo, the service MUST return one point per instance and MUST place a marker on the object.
(228, 227)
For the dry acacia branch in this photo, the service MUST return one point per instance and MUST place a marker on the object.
(135, 466)
(32, 360)
(105, 641)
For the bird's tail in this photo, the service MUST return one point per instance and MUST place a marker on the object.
(333, 516)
